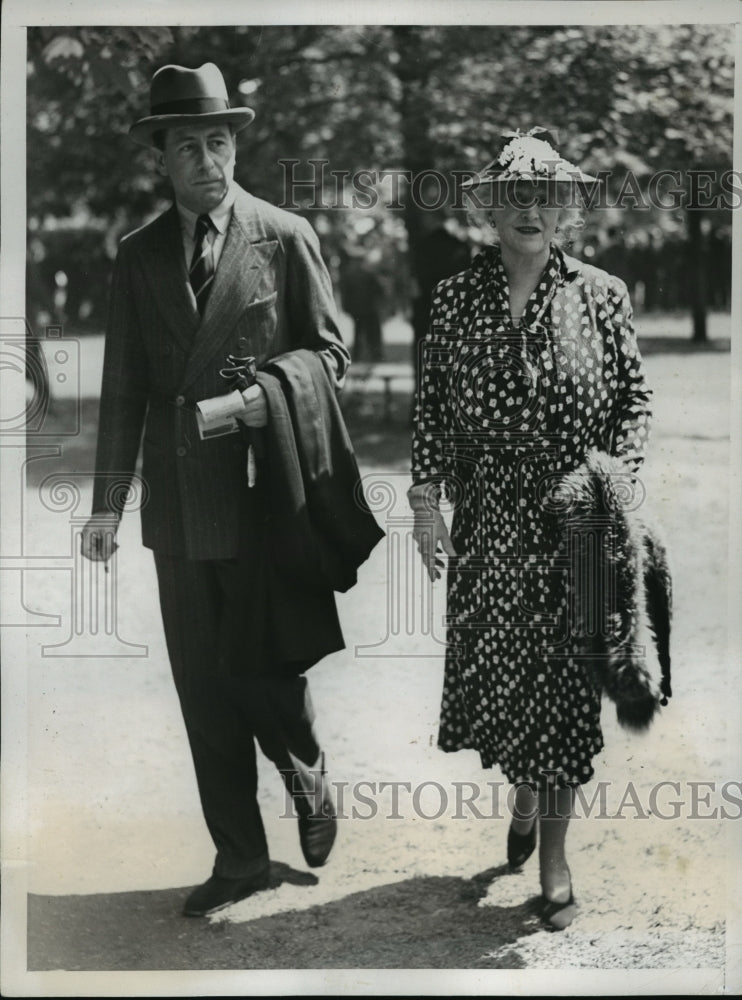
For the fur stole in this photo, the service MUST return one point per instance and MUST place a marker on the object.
(621, 586)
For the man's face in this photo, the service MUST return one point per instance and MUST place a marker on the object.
(199, 160)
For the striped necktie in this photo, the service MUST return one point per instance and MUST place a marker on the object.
(202, 269)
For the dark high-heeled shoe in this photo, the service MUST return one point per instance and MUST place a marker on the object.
(521, 846)
(556, 916)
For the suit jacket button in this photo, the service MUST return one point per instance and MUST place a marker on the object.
(179, 400)
(181, 451)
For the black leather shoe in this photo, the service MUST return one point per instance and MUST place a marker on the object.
(317, 835)
(317, 826)
(558, 916)
(521, 846)
(219, 892)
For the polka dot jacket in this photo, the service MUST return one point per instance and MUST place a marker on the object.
(503, 411)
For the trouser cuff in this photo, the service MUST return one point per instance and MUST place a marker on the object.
(230, 867)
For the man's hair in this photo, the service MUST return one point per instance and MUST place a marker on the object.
(159, 137)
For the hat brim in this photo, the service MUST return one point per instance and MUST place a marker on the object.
(559, 176)
(143, 130)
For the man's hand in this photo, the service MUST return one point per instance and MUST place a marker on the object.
(98, 541)
(431, 535)
(256, 409)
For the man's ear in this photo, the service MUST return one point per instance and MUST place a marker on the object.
(159, 162)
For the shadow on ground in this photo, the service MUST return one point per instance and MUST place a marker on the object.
(421, 923)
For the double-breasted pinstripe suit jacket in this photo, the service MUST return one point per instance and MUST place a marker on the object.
(271, 294)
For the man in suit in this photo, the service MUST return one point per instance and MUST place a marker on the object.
(220, 273)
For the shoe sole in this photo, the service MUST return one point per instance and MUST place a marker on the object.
(214, 909)
(558, 916)
(223, 906)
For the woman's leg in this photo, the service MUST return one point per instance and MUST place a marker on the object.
(525, 810)
(555, 809)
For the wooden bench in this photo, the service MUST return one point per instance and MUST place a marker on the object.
(368, 374)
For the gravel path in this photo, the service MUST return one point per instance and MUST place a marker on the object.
(115, 834)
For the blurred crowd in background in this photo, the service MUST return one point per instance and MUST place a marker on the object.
(411, 99)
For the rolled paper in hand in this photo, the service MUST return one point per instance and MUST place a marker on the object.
(216, 416)
(241, 372)
(221, 408)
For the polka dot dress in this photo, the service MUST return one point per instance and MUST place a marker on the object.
(503, 411)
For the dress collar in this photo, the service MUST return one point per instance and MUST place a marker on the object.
(488, 259)
(489, 275)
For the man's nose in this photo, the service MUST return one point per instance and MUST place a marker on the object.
(205, 158)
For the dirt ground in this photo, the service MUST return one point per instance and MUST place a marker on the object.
(115, 835)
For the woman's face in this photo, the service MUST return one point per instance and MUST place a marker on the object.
(526, 219)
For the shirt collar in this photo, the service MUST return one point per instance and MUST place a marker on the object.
(220, 215)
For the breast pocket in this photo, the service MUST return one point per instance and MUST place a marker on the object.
(256, 328)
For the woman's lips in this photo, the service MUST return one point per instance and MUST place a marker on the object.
(528, 230)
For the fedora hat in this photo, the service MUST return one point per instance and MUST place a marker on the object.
(530, 156)
(182, 96)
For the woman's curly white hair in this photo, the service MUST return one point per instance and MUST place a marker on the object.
(571, 221)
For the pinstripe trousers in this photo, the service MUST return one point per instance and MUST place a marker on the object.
(230, 697)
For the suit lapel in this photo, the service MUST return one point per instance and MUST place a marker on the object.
(165, 270)
(246, 252)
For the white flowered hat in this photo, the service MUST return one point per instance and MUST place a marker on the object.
(529, 156)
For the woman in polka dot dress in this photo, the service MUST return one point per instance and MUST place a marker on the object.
(531, 360)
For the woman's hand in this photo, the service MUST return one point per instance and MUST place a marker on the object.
(431, 535)
(429, 530)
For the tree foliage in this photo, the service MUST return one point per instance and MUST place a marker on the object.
(375, 97)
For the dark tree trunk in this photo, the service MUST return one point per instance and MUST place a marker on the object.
(412, 70)
(414, 111)
(696, 258)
